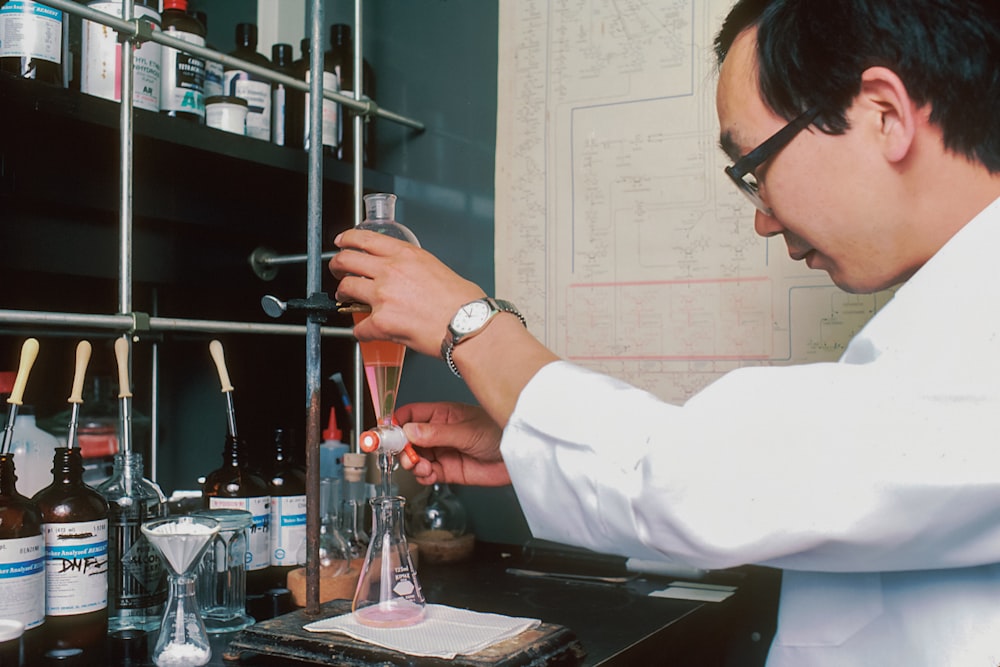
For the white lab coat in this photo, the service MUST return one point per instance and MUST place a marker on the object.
(873, 482)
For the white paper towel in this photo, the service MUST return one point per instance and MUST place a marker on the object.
(444, 633)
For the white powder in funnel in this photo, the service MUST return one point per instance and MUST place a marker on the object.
(183, 528)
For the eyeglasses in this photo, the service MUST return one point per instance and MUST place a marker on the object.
(742, 171)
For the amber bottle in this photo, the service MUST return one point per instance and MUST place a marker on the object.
(287, 483)
(234, 485)
(75, 527)
(21, 559)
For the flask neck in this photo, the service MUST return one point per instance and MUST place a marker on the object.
(8, 486)
(128, 466)
(233, 454)
(67, 466)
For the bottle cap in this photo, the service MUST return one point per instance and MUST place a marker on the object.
(354, 466)
(282, 54)
(332, 431)
(246, 35)
(340, 34)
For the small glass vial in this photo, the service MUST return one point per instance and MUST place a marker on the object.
(75, 525)
(355, 502)
(388, 593)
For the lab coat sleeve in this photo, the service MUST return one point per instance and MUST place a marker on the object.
(834, 467)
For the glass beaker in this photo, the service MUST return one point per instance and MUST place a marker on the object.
(222, 577)
(181, 541)
(388, 593)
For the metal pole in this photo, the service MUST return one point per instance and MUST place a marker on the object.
(134, 322)
(313, 286)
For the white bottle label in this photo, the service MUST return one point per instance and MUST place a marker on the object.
(76, 567)
(183, 81)
(258, 534)
(101, 52)
(30, 30)
(288, 529)
(214, 73)
(330, 112)
(279, 97)
(258, 96)
(22, 579)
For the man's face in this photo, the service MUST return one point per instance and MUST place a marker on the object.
(822, 190)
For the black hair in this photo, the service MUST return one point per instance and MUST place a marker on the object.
(811, 53)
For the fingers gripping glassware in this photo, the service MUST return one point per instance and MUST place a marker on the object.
(388, 593)
(181, 542)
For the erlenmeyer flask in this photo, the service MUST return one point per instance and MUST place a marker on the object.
(181, 541)
(388, 593)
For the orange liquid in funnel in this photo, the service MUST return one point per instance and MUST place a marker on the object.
(383, 362)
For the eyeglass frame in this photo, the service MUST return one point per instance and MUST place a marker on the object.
(739, 170)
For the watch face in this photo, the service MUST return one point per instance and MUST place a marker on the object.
(470, 317)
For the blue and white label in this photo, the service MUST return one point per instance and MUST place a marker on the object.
(238, 83)
(288, 530)
(76, 567)
(30, 30)
(259, 533)
(22, 579)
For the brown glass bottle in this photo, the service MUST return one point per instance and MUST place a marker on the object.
(75, 526)
(287, 483)
(182, 76)
(234, 485)
(286, 103)
(340, 59)
(22, 559)
(33, 38)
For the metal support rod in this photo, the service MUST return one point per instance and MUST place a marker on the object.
(140, 28)
(359, 208)
(314, 237)
(129, 322)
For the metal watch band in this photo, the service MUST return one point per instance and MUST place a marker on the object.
(499, 306)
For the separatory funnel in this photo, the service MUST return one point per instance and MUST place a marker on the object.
(181, 541)
(383, 360)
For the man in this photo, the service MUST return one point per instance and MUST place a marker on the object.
(864, 133)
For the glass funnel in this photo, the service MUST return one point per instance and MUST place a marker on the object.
(181, 541)
(388, 593)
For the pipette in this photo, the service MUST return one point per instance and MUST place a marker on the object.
(124, 392)
(215, 348)
(29, 352)
(83, 350)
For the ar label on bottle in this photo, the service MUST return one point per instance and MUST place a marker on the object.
(183, 80)
(76, 567)
(288, 529)
(30, 30)
(22, 579)
(258, 534)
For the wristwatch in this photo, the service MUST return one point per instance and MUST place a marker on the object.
(469, 321)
